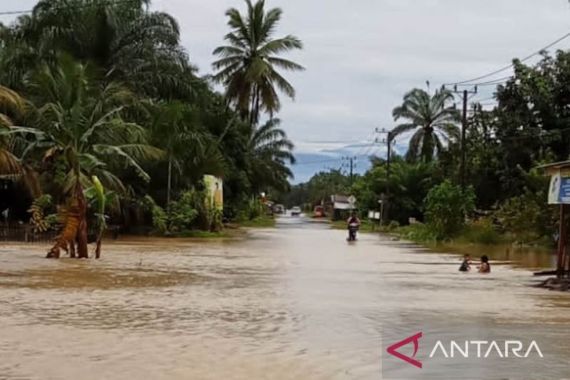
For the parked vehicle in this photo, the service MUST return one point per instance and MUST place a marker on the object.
(278, 209)
(296, 211)
(319, 212)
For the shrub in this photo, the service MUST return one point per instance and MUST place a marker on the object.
(419, 233)
(481, 231)
(446, 207)
(393, 225)
(159, 217)
(527, 216)
(182, 213)
(254, 209)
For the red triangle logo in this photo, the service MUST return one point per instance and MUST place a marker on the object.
(392, 350)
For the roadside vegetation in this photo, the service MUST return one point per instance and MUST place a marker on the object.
(505, 197)
(99, 94)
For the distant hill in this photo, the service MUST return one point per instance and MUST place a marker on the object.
(308, 164)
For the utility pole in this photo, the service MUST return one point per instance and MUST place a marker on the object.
(389, 140)
(351, 166)
(465, 94)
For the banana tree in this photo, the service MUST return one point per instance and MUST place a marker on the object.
(99, 199)
(80, 123)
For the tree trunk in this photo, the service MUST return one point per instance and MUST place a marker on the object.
(428, 145)
(74, 229)
(82, 250)
(254, 112)
(72, 249)
(169, 184)
(98, 249)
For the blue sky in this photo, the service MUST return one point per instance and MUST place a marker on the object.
(362, 56)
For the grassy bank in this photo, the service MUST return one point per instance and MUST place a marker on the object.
(365, 225)
(480, 234)
(231, 230)
(197, 234)
(260, 222)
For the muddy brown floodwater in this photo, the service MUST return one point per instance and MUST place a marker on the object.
(295, 302)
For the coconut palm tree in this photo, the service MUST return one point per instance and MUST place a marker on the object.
(248, 65)
(269, 151)
(434, 122)
(77, 122)
(175, 129)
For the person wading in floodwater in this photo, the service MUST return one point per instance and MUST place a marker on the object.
(466, 264)
(485, 267)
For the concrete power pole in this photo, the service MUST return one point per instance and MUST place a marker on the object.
(389, 140)
(351, 167)
(464, 124)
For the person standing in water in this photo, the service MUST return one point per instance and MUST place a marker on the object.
(485, 267)
(466, 264)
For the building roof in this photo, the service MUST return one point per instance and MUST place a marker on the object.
(340, 198)
(555, 167)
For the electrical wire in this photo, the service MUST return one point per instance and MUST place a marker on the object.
(473, 80)
(485, 99)
(489, 83)
(317, 162)
(324, 161)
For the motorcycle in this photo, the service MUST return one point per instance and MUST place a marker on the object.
(352, 229)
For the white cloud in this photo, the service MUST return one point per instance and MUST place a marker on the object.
(362, 56)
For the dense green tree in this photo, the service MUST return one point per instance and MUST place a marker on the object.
(446, 207)
(532, 118)
(10, 103)
(123, 39)
(317, 190)
(407, 186)
(173, 128)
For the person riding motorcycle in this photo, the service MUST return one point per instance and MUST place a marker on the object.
(353, 226)
(353, 219)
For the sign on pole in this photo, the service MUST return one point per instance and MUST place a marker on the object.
(559, 192)
(352, 201)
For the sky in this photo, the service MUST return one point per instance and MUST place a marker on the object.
(362, 56)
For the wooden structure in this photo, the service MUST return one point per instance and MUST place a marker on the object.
(342, 206)
(559, 194)
(24, 233)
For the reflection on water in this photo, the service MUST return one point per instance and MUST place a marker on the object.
(286, 303)
(517, 256)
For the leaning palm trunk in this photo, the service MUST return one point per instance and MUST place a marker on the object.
(74, 227)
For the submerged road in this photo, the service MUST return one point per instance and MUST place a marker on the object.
(294, 302)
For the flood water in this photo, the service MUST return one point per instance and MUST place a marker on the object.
(294, 302)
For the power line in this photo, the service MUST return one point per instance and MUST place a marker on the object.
(318, 162)
(10, 13)
(371, 147)
(489, 83)
(470, 82)
(324, 161)
(485, 99)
